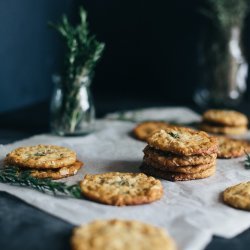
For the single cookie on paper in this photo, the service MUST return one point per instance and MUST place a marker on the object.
(238, 196)
(226, 130)
(225, 117)
(171, 176)
(120, 235)
(144, 129)
(183, 141)
(174, 160)
(120, 189)
(231, 148)
(41, 157)
(178, 169)
(58, 173)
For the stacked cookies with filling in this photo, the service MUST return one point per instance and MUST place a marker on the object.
(180, 154)
(45, 161)
(227, 122)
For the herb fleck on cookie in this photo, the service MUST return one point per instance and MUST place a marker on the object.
(174, 135)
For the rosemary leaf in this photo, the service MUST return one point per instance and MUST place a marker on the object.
(247, 161)
(174, 135)
(15, 176)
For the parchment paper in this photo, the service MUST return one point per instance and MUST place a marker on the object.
(191, 211)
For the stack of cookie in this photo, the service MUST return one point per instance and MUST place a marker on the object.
(224, 122)
(45, 161)
(180, 154)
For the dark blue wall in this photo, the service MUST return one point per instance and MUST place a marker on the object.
(151, 49)
(30, 52)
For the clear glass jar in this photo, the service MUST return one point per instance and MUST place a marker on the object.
(72, 109)
(222, 70)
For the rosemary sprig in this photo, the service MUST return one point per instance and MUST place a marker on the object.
(226, 13)
(15, 176)
(247, 161)
(82, 52)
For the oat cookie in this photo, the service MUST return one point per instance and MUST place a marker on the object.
(246, 145)
(183, 141)
(238, 196)
(121, 189)
(58, 173)
(178, 169)
(227, 130)
(144, 129)
(230, 148)
(173, 160)
(177, 176)
(120, 235)
(225, 117)
(41, 156)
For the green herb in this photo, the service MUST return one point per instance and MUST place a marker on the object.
(247, 161)
(226, 13)
(174, 135)
(15, 176)
(83, 51)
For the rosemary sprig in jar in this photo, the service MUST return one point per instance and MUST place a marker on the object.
(82, 52)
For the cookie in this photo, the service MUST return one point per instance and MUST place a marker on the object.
(120, 235)
(238, 196)
(41, 156)
(230, 148)
(223, 130)
(176, 176)
(225, 117)
(183, 141)
(121, 189)
(173, 160)
(58, 173)
(246, 145)
(178, 169)
(144, 129)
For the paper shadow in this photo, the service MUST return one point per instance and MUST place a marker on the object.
(123, 166)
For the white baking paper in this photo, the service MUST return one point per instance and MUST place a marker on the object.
(191, 211)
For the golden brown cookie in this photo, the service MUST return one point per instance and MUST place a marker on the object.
(41, 156)
(58, 173)
(225, 117)
(178, 169)
(238, 196)
(226, 130)
(144, 129)
(173, 160)
(121, 189)
(246, 145)
(120, 235)
(176, 176)
(230, 148)
(183, 141)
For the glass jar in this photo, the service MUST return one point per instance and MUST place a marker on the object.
(222, 70)
(72, 110)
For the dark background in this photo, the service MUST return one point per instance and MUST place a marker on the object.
(151, 50)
